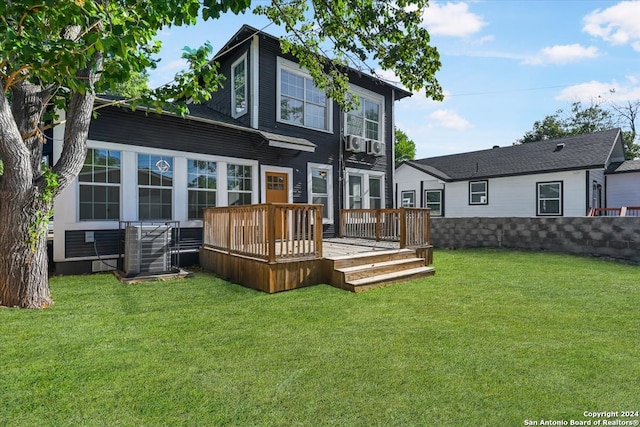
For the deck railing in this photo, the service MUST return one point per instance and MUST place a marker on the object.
(273, 231)
(409, 226)
(623, 211)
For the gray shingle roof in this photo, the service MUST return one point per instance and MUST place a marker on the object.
(578, 152)
(626, 166)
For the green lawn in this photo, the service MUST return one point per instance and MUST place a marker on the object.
(493, 339)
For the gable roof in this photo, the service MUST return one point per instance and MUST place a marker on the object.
(247, 31)
(588, 151)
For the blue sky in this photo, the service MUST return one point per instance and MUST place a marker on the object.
(505, 64)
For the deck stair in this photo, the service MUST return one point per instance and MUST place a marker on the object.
(363, 271)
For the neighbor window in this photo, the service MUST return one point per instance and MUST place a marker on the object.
(408, 199)
(239, 87)
(433, 201)
(202, 184)
(155, 185)
(478, 192)
(365, 119)
(239, 184)
(321, 185)
(301, 102)
(99, 183)
(549, 198)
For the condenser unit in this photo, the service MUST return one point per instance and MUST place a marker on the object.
(355, 143)
(375, 147)
(147, 249)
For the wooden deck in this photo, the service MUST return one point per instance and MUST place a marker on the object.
(241, 246)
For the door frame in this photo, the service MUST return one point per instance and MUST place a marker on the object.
(263, 181)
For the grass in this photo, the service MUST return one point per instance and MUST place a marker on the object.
(495, 338)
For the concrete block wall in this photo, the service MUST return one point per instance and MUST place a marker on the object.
(614, 237)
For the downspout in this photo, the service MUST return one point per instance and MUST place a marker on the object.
(393, 147)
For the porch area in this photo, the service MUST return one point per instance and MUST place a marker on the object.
(278, 247)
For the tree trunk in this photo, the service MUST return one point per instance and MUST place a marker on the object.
(23, 260)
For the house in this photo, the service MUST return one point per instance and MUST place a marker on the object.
(269, 135)
(562, 177)
(622, 183)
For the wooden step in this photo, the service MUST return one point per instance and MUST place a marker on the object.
(380, 280)
(376, 268)
(371, 257)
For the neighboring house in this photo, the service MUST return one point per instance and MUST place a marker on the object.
(269, 135)
(562, 177)
(623, 184)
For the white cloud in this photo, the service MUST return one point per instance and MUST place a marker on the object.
(451, 19)
(602, 91)
(563, 54)
(617, 24)
(450, 120)
(165, 73)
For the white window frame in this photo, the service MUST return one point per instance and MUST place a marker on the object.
(158, 187)
(365, 174)
(426, 201)
(234, 101)
(484, 195)
(202, 189)
(253, 178)
(370, 197)
(101, 184)
(366, 95)
(403, 198)
(560, 198)
(294, 68)
(328, 169)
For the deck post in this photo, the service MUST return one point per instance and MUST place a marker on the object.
(229, 230)
(271, 231)
(378, 225)
(318, 231)
(623, 211)
(403, 228)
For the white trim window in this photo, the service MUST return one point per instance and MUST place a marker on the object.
(365, 189)
(408, 199)
(99, 182)
(433, 201)
(202, 185)
(155, 187)
(366, 119)
(375, 192)
(549, 198)
(320, 185)
(239, 184)
(478, 192)
(300, 102)
(239, 87)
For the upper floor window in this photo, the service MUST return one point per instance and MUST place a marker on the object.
(478, 192)
(100, 185)
(300, 102)
(366, 119)
(549, 198)
(239, 87)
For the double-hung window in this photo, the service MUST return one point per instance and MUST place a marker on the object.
(321, 185)
(478, 192)
(433, 201)
(408, 199)
(202, 184)
(549, 198)
(366, 119)
(239, 184)
(239, 87)
(99, 183)
(155, 187)
(300, 102)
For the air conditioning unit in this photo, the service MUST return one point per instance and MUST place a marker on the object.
(355, 143)
(375, 147)
(147, 249)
